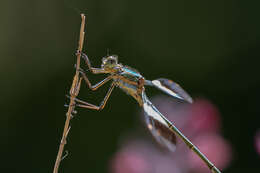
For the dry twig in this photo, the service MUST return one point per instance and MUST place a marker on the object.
(73, 93)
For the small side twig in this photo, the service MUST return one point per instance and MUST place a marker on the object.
(75, 87)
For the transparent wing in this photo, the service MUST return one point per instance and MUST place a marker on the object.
(159, 128)
(171, 88)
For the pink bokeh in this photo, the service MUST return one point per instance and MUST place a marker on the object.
(129, 162)
(257, 142)
(215, 148)
(199, 121)
(204, 116)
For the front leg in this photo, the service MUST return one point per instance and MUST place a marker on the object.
(87, 105)
(96, 86)
(92, 69)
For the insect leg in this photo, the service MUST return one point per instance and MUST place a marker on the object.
(92, 69)
(87, 105)
(96, 86)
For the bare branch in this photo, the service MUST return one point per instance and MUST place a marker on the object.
(75, 87)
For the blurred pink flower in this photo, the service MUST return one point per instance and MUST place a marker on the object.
(199, 121)
(194, 118)
(215, 148)
(257, 142)
(204, 116)
(129, 162)
(139, 156)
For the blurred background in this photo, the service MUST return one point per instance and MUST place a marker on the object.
(211, 48)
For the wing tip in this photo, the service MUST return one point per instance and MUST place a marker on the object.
(178, 92)
(189, 100)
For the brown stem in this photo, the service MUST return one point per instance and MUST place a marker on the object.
(75, 87)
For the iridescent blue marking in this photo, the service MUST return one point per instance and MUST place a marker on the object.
(131, 72)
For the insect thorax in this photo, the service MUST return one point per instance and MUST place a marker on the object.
(131, 82)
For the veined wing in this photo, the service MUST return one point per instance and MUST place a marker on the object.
(158, 125)
(162, 129)
(171, 88)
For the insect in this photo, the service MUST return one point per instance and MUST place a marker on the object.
(133, 83)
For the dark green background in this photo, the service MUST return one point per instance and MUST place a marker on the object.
(210, 47)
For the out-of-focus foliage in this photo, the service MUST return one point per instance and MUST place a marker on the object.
(210, 47)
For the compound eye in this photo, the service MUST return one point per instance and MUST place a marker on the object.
(111, 61)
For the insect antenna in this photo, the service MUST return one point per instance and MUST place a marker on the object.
(108, 51)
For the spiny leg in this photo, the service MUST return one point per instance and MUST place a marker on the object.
(75, 90)
(102, 104)
(92, 69)
(96, 86)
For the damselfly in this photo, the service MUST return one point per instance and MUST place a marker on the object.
(132, 82)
